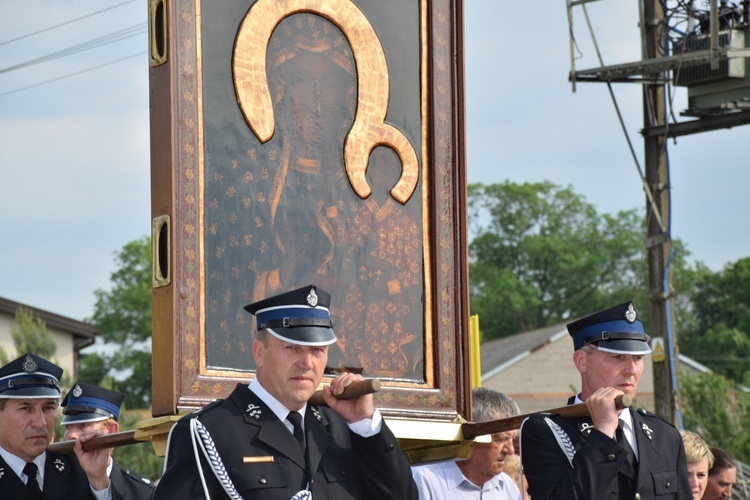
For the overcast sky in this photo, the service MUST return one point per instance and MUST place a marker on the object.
(74, 151)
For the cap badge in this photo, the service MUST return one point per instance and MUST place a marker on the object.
(312, 298)
(29, 365)
(77, 391)
(253, 411)
(630, 315)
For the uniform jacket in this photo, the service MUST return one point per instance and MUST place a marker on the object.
(599, 462)
(264, 461)
(129, 485)
(64, 479)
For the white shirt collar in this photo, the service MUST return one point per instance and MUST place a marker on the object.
(17, 464)
(274, 404)
(455, 478)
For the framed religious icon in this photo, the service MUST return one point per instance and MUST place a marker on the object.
(310, 142)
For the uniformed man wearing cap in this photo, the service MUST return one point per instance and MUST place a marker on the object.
(266, 442)
(89, 407)
(613, 454)
(29, 398)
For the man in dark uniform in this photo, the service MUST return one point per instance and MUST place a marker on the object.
(613, 454)
(266, 442)
(29, 397)
(89, 407)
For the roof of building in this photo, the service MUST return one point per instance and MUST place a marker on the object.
(500, 353)
(83, 333)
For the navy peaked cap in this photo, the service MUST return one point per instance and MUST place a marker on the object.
(299, 316)
(30, 376)
(90, 403)
(617, 329)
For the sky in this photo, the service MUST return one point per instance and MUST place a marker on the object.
(74, 135)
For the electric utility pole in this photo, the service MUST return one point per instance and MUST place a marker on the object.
(658, 241)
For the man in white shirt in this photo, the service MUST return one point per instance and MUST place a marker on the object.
(481, 476)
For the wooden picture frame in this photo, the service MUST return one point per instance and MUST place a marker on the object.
(270, 123)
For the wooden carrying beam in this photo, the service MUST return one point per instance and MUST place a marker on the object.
(352, 391)
(472, 430)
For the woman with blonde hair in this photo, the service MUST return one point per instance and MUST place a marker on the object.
(699, 461)
(513, 469)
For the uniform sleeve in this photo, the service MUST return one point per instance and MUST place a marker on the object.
(129, 485)
(181, 479)
(549, 474)
(105, 494)
(387, 473)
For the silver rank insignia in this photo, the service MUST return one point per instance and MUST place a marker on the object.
(316, 414)
(630, 315)
(253, 411)
(312, 298)
(586, 428)
(77, 391)
(29, 365)
(59, 465)
(2, 472)
(648, 431)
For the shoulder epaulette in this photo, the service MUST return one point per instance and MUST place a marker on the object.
(137, 477)
(644, 412)
(207, 407)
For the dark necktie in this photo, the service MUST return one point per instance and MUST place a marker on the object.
(30, 470)
(623, 441)
(296, 419)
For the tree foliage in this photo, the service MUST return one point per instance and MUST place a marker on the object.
(123, 316)
(541, 254)
(29, 334)
(719, 334)
(718, 411)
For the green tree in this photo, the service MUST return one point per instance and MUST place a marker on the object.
(718, 411)
(123, 316)
(718, 336)
(541, 254)
(29, 334)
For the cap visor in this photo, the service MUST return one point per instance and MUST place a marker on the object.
(635, 347)
(305, 335)
(30, 393)
(82, 418)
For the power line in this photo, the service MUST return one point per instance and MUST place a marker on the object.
(71, 74)
(128, 32)
(64, 23)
